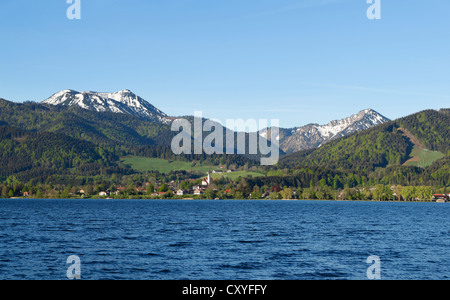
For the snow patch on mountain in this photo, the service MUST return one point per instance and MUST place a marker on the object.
(314, 135)
(125, 102)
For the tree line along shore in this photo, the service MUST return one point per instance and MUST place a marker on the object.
(220, 188)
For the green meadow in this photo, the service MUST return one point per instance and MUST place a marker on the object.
(144, 164)
(237, 174)
(426, 157)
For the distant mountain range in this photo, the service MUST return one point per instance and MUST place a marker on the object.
(290, 140)
(314, 135)
(123, 101)
(74, 134)
(421, 139)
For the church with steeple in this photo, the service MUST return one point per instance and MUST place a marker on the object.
(207, 181)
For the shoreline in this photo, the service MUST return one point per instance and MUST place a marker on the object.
(193, 199)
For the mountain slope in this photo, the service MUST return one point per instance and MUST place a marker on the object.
(103, 129)
(379, 147)
(314, 135)
(124, 102)
(116, 133)
(431, 128)
(38, 155)
(54, 143)
(107, 128)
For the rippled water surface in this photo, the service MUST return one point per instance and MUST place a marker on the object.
(131, 239)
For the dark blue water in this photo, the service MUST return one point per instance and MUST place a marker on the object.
(257, 240)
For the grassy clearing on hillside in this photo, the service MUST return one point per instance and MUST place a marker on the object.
(237, 174)
(144, 164)
(424, 158)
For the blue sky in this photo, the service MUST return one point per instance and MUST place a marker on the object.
(302, 61)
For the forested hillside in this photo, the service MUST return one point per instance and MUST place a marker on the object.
(41, 144)
(100, 128)
(36, 155)
(378, 147)
(431, 128)
(39, 141)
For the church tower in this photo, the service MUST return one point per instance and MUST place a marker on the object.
(207, 181)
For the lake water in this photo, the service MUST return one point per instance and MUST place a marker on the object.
(230, 240)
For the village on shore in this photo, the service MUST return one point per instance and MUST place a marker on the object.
(220, 189)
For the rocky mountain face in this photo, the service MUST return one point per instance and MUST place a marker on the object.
(314, 135)
(123, 101)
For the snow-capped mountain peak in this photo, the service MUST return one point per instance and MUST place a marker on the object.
(365, 119)
(124, 101)
(314, 135)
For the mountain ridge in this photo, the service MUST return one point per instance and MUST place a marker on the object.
(313, 135)
(123, 101)
(48, 143)
(290, 140)
(382, 146)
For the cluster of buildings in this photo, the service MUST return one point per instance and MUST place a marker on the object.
(196, 190)
(441, 198)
